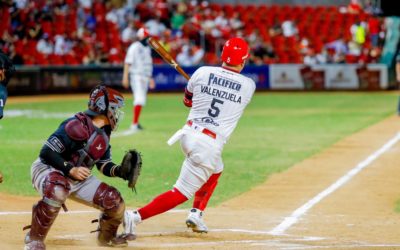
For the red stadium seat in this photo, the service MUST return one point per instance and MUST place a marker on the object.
(70, 60)
(215, 7)
(319, 24)
(228, 9)
(41, 59)
(211, 58)
(56, 59)
(47, 27)
(352, 58)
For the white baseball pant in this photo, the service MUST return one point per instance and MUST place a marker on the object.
(203, 158)
(139, 85)
(81, 191)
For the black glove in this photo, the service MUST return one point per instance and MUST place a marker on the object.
(130, 167)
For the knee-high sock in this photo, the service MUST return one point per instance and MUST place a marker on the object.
(203, 195)
(162, 203)
(136, 113)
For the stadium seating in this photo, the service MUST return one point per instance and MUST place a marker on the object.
(319, 24)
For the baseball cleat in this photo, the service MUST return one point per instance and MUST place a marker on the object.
(118, 241)
(195, 221)
(129, 237)
(131, 219)
(136, 127)
(33, 244)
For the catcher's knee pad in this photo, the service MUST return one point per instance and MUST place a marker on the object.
(55, 189)
(109, 199)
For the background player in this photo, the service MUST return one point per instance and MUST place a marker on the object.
(63, 170)
(6, 71)
(138, 70)
(217, 97)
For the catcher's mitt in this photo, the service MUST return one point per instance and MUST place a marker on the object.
(131, 166)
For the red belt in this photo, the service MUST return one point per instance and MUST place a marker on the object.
(204, 130)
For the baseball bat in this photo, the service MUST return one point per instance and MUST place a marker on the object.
(166, 56)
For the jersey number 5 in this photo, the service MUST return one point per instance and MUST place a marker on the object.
(214, 110)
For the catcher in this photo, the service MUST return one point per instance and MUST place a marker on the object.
(6, 71)
(63, 170)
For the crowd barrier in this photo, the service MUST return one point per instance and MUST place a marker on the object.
(71, 79)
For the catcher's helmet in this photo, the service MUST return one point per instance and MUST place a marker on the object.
(235, 51)
(142, 33)
(106, 101)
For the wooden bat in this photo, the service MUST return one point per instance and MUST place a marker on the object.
(166, 56)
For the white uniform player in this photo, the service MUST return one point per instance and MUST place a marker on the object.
(217, 97)
(138, 70)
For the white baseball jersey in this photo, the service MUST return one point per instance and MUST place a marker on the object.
(139, 57)
(219, 98)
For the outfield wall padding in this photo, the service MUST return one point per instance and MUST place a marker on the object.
(73, 79)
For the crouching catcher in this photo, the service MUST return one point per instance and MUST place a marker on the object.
(63, 170)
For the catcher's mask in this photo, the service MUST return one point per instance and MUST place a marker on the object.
(107, 101)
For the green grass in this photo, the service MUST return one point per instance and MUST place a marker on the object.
(276, 131)
(397, 206)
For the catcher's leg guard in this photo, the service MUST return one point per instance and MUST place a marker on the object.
(111, 203)
(55, 192)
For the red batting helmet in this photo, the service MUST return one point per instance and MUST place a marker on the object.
(235, 51)
(107, 101)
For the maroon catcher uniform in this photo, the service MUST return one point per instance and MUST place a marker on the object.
(63, 170)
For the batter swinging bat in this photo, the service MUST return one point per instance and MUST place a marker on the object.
(166, 56)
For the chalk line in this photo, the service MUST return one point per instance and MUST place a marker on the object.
(298, 213)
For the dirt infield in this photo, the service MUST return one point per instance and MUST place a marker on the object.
(356, 213)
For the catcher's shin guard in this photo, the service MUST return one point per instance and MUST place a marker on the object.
(111, 203)
(55, 191)
(43, 216)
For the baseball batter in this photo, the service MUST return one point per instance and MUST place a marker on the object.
(217, 97)
(63, 170)
(138, 68)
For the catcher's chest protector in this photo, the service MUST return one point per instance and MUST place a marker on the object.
(96, 141)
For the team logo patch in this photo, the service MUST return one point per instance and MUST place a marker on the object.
(55, 144)
(207, 119)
